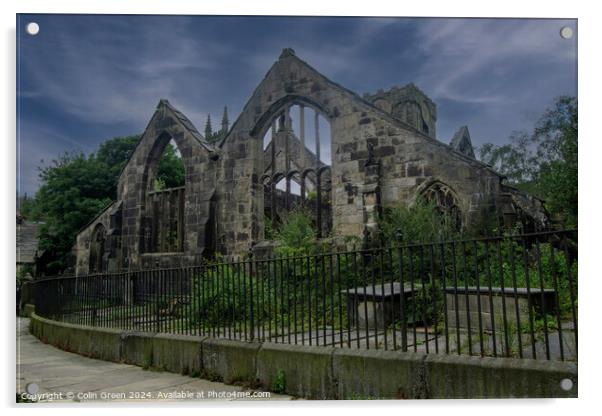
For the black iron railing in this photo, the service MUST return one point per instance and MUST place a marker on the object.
(512, 296)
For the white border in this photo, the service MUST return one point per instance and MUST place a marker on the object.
(589, 159)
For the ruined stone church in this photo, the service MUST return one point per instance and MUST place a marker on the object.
(300, 140)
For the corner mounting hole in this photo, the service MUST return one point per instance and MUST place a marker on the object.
(32, 388)
(32, 28)
(566, 32)
(566, 384)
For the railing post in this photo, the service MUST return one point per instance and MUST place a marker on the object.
(251, 306)
(156, 284)
(402, 304)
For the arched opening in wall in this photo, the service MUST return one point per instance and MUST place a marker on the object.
(210, 245)
(411, 112)
(445, 202)
(171, 172)
(297, 154)
(98, 239)
(165, 199)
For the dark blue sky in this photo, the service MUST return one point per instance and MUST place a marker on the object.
(86, 78)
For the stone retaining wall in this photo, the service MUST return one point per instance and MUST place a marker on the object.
(317, 372)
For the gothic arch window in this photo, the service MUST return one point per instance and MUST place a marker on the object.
(445, 202)
(97, 249)
(164, 198)
(297, 149)
(411, 112)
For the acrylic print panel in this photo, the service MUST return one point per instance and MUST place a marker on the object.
(331, 207)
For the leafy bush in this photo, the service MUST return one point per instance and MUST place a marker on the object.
(268, 230)
(221, 296)
(419, 222)
(280, 293)
(279, 383)
(420, 308)
(296, 236)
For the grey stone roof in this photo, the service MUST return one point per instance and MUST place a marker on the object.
(27, 242)
(188, 125)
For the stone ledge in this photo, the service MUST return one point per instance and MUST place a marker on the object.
(178, 353)
(298, 370)
(101, 343)
(379, 374)
(318, 372)
(228, 360)
(462, 377)
(28, 309)
(137, 348)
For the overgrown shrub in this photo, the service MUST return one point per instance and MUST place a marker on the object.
(296, 236)
(221, 296)
(419, 222)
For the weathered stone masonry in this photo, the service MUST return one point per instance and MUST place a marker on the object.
(384, 151)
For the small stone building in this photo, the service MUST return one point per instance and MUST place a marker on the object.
(27, 245)
(301, 139)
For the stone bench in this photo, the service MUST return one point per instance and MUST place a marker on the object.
(366, 301)
(494, 299)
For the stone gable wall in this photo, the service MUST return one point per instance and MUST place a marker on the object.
(135, 181)
(408, 158)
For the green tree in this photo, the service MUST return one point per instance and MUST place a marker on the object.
(544, 162)
(170, 173)
(74, 189)
(25, 206)
(114, 153)
(557, 136)
(514, 159)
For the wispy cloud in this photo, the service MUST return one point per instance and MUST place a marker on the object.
(461, 53)
(90, 77)
(109, 77)
(332, 56)
(37, 145)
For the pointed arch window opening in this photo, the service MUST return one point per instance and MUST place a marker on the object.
(163, 222)
(297, 159)
(445, 202)
(97, 263)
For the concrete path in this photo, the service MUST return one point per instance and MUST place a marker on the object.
(51, 374)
